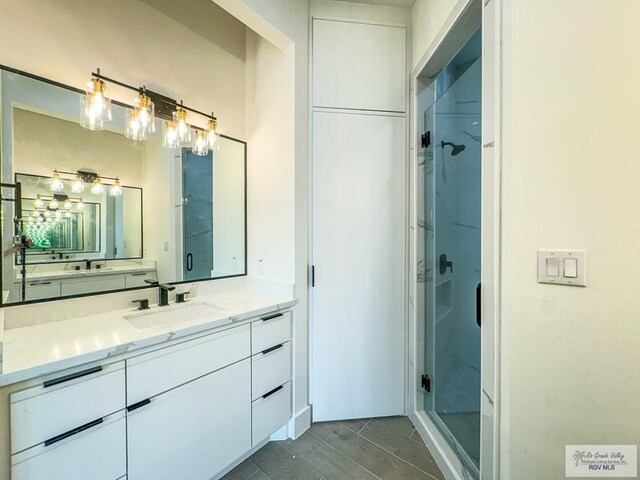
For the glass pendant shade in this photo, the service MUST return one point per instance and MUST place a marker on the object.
(98, 188)
(80, 205)
(68, 205)
(78, 185)
(67, 215)
(116, 189)
(39, 203)
(200, 146)
(212, 134)
(133, 127)
(146, 112)
(182, 127)
(56, 183)
(170, 138)
(53, 204)
(95, 105)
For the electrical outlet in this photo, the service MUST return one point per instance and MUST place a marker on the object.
(260, 267)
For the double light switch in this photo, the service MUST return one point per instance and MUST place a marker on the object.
(562, 267)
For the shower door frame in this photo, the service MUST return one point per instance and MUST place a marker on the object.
(466, 17)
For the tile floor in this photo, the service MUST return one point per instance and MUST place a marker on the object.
(381, 448)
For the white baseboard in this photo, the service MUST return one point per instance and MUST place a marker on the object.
(300, 423)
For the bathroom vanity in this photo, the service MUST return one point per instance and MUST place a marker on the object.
(182, 391)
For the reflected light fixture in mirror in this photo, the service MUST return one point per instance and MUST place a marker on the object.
(39, 203)
(56, 183)
(200, 145)
(78, 185)
(116, 189)
(98, 188)
(95, 105)
(80, 205)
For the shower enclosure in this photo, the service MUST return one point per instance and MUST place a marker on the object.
(448, 212)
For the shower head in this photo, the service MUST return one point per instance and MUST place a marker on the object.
(455, 149)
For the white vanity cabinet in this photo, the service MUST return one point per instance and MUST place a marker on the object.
(59, 428)
(91, 284)
(139, 279)
(41, 289)
(194, 430)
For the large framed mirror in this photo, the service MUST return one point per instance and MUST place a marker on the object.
(99, 212)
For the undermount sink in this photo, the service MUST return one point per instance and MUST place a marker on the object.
(173, 314)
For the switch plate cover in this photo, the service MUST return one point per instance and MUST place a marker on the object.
(574, 258)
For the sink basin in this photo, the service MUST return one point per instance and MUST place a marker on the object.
(174, 314)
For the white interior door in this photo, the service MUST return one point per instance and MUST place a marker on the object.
(358, 254)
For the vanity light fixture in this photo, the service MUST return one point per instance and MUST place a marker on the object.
(170, 139)
(140, 119)
(47, 213)
(53, 204)
(95, 105)
(212, 133)
(78, 185)
(98, 188)
(200, 145)
(182, 127)
(80, 205)
(58, 214)
(133, 127)
(67, 215)
(116, 189)
(68, 204)
(39, 203)
(56, 183)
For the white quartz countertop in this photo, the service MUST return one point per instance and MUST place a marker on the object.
(67, 274)
(40, 349)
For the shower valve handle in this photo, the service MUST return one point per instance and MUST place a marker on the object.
(445, 264)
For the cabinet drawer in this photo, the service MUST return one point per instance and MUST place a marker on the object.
(44, 289)
(98, 453)
(93, 284)
(272, 330)
(270, 369)
(161, 370)
(270, 412)
(138, 279)
(65, 402)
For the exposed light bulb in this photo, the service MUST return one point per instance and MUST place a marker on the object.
(116, 189)
(98, 188)
(212, 134)
(67, 215)
(78, 185)
(68, 204)
(182, 127)
(47, 213)
(145, 112)
(200, 146)
(57, 185)
(38, 203)
(35, 213)
(133, 126)
(80, 205)
(58, 214)
(95, 105)
(53, 204)
(171, 139)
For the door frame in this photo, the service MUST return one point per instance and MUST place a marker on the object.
(465, 18)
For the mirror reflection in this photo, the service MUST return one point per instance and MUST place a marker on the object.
(99, 211)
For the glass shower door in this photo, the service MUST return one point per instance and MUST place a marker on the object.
(451, 172)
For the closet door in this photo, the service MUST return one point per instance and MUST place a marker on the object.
(358, 257)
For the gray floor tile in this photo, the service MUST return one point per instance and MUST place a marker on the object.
(258, 476)
(332, 464)
(400, 424)
(243, 471)
(416, 436)
(389, 438)
(279, 464)
(370, 456)
(355, 425)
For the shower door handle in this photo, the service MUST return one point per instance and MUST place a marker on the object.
(479, 304)
(189, 262)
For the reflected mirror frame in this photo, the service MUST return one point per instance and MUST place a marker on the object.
(66, 297)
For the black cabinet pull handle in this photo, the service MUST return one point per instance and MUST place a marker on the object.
(138, 274)
(268, 350)
(139, 404)
(40, 283)
(277, 389)
(75, 431)
(479, 304)
(275, 315)
(189, 262)
(71, 376)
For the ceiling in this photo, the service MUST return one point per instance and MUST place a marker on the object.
(388, 3)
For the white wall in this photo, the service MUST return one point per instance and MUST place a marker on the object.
(65, 40)
(427, 17)
(570, 180)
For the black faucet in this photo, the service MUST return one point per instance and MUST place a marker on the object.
(88, 264)
(164, 294)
